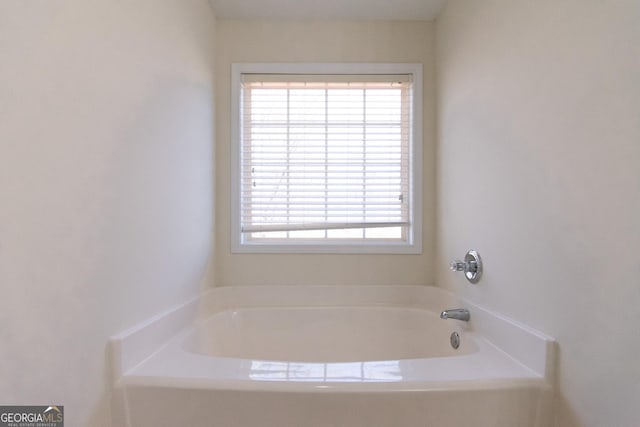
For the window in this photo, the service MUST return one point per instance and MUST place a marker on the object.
(326, 158)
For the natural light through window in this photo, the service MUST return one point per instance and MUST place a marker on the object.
(325, 160)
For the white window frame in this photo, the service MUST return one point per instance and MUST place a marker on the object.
(413, 245)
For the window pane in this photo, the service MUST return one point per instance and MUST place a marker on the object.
(384, 105)
(345, 105)
(307, 105)
(349, 233)
(307, 234)
(268, 105)
(384, 233)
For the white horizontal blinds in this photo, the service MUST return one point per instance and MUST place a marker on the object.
(325, 153)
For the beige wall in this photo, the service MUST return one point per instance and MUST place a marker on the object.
(539, 170)
(320, 41)
(105, 185)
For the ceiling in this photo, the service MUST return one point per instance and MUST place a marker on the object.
(328, 9)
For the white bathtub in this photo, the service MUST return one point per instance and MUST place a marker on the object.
(330, 356)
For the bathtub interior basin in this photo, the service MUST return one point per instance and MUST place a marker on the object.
(326, 334)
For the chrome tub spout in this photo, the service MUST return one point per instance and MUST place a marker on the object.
(456, 313)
